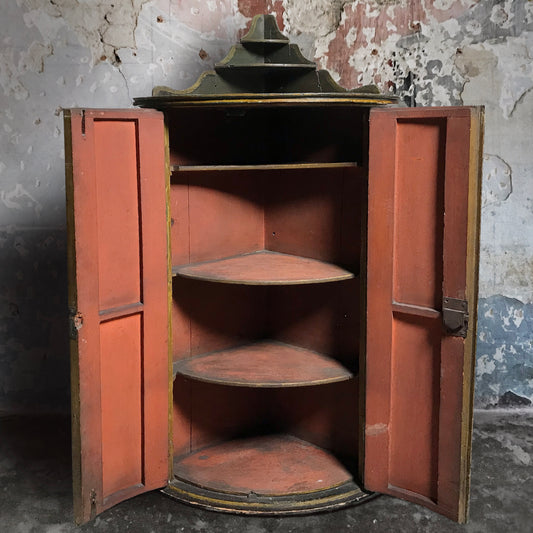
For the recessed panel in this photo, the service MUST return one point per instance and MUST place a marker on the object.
(418, 213)
(121, 374)
(415, 391)
(117, 213)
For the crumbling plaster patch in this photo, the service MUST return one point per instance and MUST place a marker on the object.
(172, 52)
(506, 255)
(497, 183)
(103, 26)
(514, 64)
(46, 65)
(317, 17)
(13, 64)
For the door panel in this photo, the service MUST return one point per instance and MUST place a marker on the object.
(118, 301)
(422, 247)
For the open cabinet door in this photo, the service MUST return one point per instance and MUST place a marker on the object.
(118, 304)
(423, 219)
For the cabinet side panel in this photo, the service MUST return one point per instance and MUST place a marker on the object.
(214, 316)
(179, 221)
(223, 212)
(314, 414)
(315, 213)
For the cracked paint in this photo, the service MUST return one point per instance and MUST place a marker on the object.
(103, 26)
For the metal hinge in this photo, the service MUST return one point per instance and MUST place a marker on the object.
(455, 316)
(75, 323)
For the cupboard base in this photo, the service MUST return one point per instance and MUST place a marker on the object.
(266, 474)
(298, 504)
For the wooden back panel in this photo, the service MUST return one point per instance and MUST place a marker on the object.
(422, 235)
(118, 298)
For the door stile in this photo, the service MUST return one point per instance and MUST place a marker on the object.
(85, 393)
(379, 244)
(454, 285)
(153, 166)
(170, 434)
(472, 287)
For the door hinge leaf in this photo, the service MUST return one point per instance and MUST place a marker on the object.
(455, 316)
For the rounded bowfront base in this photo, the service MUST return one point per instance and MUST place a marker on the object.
(266, 475)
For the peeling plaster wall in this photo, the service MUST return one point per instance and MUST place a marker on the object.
(101, 53)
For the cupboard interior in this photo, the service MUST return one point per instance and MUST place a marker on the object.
(246, 182)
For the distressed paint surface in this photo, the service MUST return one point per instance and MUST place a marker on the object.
(66, 53)
(505, 345)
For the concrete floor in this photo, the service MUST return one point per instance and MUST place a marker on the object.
(35, 491)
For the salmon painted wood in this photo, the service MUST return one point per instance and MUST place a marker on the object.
(118, 300)
(423, 218)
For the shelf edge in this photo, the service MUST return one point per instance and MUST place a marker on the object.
(275, 166)
(178, 369)
(181, 271)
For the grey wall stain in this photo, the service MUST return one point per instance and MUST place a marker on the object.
(504, 349)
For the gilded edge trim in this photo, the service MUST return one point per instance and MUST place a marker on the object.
(363, 293)
(472, 274)
(288, 101)
(297, 505)
(160, 102)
